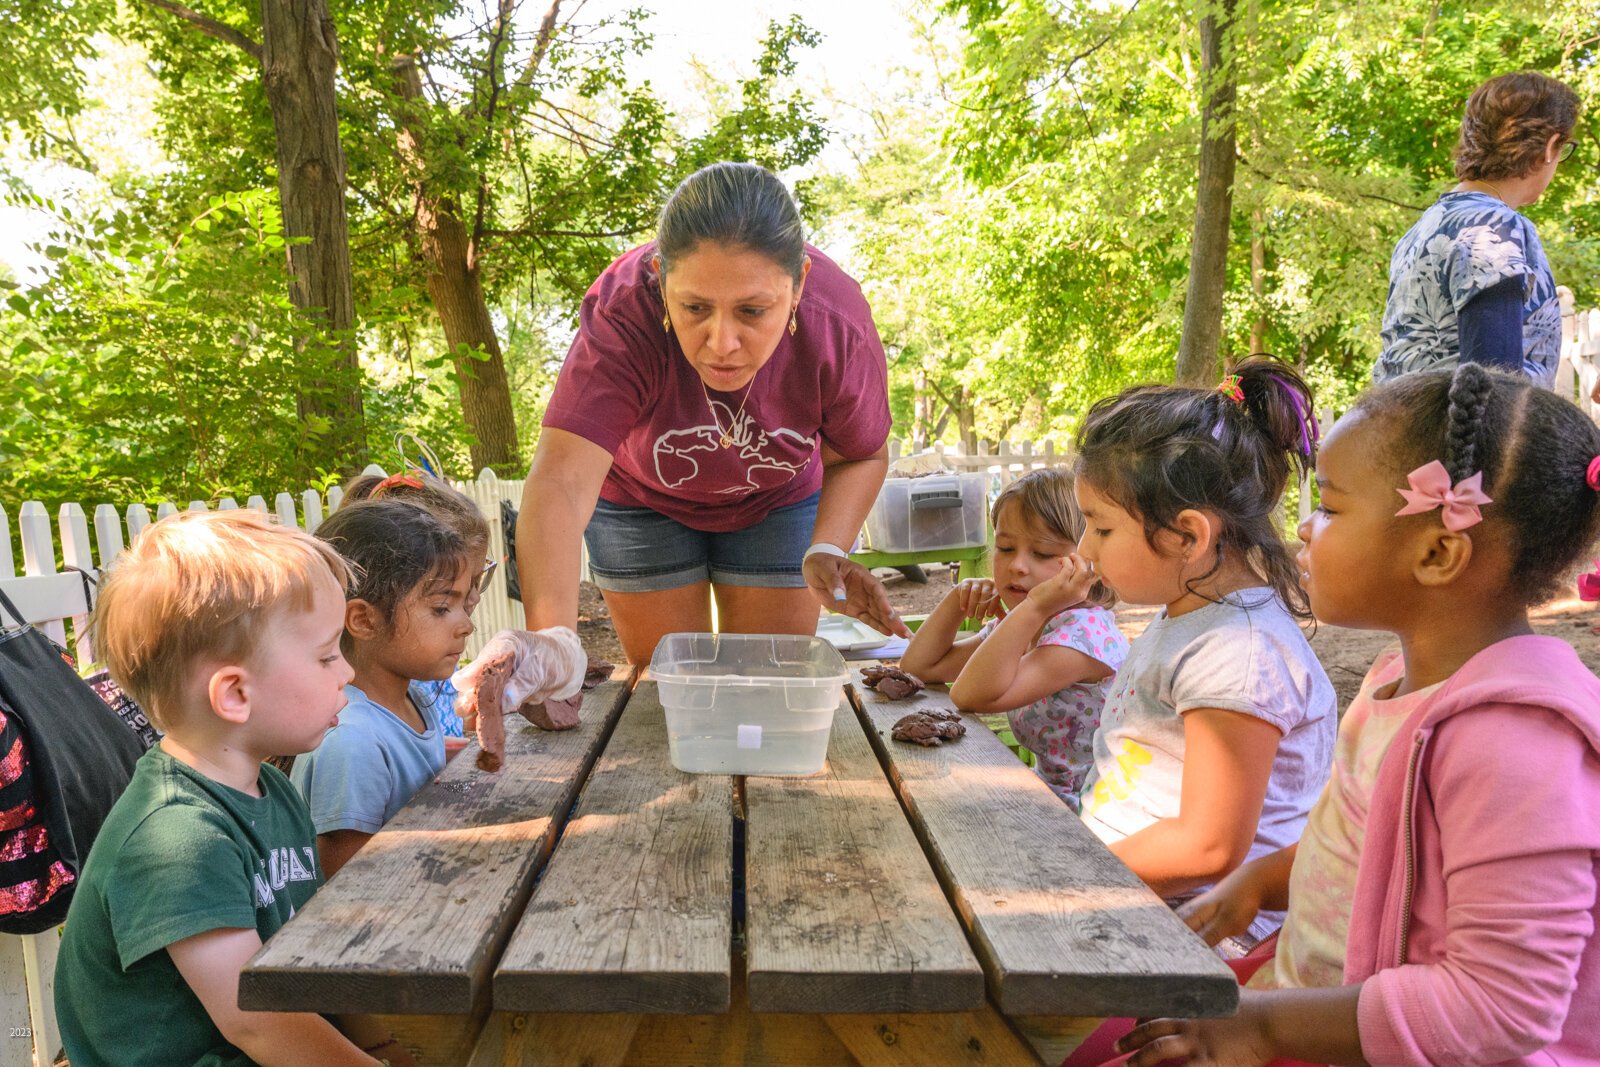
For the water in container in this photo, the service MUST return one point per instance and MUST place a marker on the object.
(748, 703)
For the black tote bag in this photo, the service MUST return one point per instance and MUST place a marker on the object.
(79, 757)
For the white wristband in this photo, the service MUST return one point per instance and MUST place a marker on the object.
(824, 549)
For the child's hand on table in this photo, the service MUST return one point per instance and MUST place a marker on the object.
(1240, 1041)
(1225, 910)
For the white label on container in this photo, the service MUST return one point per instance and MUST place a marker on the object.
(749, 736)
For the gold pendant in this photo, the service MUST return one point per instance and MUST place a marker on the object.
(726, 440)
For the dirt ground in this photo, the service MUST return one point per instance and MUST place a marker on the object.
(1345, 654)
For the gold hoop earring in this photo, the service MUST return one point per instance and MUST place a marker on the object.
(666, 322)
(794, 319)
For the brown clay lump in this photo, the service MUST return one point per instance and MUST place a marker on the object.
(929, 728)
(891, 683)
(553, 714)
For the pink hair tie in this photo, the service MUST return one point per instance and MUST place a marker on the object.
(1593, 477)
(1460, 503)
(1232, 388)
(1589, 584)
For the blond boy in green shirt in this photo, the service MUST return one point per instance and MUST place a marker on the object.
(225, 628)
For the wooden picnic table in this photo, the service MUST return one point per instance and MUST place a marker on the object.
(591, 904)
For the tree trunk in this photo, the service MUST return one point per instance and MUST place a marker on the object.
(299, 55)
(1258, 286)
(966, 422)
(1213, 207)
(922, 406)
(457, 294)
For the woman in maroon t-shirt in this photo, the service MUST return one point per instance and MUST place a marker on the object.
(719, 428)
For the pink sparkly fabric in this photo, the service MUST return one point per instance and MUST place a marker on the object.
(29, 895)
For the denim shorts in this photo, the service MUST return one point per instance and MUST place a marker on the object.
(640, 550)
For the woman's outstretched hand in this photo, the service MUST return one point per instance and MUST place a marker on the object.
(847, 588)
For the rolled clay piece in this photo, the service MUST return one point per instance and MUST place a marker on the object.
(892, 683)
(599, 670)
(929, 728)
(485, 700)
(553, 714)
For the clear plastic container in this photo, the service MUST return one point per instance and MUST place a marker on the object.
(748, 703)
(934, 511)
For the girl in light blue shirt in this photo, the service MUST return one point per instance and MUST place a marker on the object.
(406, 622)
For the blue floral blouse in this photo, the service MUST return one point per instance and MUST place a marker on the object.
(1462, 245)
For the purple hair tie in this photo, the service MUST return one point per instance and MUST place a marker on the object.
(1309, 430)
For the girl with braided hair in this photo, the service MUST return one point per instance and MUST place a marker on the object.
(1470, 283)
(1217, 731)
(1442, 902)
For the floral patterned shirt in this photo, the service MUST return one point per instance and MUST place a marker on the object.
(1059, 729)
(1464, 244)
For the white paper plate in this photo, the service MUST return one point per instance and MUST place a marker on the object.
(847, 634)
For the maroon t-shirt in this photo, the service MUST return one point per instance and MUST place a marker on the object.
(627, 387)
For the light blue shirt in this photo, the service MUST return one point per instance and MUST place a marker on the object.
(369, 765)
(1463, 244)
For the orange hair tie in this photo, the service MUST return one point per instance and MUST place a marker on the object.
(411, 481)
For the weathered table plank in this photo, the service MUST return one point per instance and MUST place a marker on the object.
(1060, 925)
(635, 913)
(843, 912)
(414, 923)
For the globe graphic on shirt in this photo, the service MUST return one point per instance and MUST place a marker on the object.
(761, 453)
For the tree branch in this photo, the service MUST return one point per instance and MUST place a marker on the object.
(541, 44)
(492, 66)
(1064, 70)
(944, 396)
(209, 26)
(529, 231)
(1274, 179)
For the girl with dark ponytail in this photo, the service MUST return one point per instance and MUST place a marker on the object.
(1442, 902)
(1218, 733)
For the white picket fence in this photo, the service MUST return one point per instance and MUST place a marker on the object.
(1006, 461)
(50, 593)
(1579, 369)
(87, 538)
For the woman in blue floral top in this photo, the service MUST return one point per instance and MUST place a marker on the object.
(1470, 282)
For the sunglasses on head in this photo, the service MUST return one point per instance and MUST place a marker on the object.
(486, 575)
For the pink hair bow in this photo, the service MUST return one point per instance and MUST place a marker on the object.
(1589, 584)
(1431, 488)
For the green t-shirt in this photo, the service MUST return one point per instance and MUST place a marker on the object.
(179, 855)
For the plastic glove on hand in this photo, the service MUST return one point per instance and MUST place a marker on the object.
(522, 670)
(544, 663)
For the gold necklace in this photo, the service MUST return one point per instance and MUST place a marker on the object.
(726, 437)
(1498, 195)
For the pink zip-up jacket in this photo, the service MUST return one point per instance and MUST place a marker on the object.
(1475, 903)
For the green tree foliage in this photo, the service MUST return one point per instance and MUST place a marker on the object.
(152, 363)
(1074, 135)
(490, 150)
(553, 160)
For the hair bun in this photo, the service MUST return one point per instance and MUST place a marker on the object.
(1278, 402)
